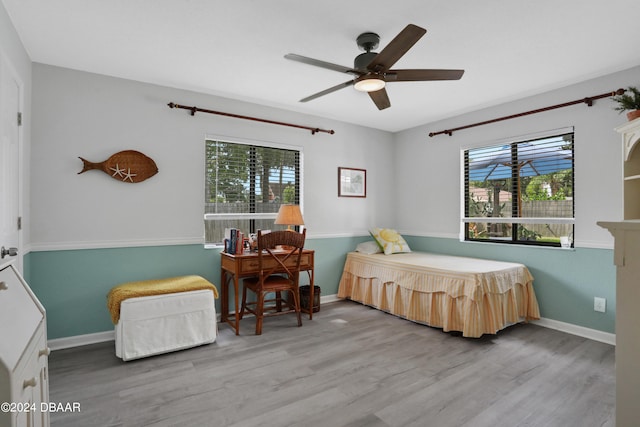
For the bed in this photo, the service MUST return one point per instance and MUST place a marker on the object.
(470, 295)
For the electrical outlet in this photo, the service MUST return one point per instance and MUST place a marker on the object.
(599, 304)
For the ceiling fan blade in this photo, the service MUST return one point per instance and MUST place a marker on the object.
(396, 48)
(422, 75)
(380, 98)
(322, 64)
(328, 91)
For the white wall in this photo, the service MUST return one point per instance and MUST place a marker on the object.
(434, 162)
(94, 116)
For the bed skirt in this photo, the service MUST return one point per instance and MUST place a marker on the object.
(480, 310)
(159, 324)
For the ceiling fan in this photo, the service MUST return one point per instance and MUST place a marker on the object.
(373, 70)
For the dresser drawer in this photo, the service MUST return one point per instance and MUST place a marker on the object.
(249, 265)
(23, 352)
(26, 373)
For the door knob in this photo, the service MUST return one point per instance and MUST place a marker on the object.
(11, 252)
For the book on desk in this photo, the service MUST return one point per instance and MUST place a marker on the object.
(235, 241)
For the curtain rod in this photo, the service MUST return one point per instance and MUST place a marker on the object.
(588, 100)
(237, 116)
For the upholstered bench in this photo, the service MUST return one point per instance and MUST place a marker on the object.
(159, 316)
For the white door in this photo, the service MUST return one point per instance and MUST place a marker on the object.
(9, 162)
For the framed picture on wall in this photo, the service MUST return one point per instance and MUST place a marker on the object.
(352, 182)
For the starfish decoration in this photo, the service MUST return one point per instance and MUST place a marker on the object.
(129, 175)
(117, 171)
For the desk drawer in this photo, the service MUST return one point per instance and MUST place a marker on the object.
(252, 264)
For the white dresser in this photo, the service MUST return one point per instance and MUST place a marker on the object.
(626, 257)
(24, 382)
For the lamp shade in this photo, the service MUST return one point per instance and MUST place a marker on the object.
(289, 215)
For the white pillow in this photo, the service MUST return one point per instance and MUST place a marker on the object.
(370, 247)
(390, 240)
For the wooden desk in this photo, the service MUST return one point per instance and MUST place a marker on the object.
(235, 267)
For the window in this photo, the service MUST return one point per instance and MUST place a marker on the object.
(245, 185)
(520, 192)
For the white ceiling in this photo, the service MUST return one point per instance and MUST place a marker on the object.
(235, 49)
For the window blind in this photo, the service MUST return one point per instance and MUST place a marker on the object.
(245, 184)
(520, 191)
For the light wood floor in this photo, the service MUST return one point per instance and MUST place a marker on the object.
(350, 366)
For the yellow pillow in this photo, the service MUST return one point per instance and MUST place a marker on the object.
(390, 241)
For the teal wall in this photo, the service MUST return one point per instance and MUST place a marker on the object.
(73, 284)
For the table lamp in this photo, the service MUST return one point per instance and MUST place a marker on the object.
(289, 215)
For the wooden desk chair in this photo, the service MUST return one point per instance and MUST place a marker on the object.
(278, 273)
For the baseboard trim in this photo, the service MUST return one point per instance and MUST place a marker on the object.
(98, 337)
(581, 331)
(329, 298)
(80, 340)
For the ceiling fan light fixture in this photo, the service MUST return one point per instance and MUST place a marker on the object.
(372, 70)
(369, 84)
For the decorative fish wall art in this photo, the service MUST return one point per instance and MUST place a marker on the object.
(127, 166)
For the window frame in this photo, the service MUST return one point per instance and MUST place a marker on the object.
(513, 239)
(252, 216)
